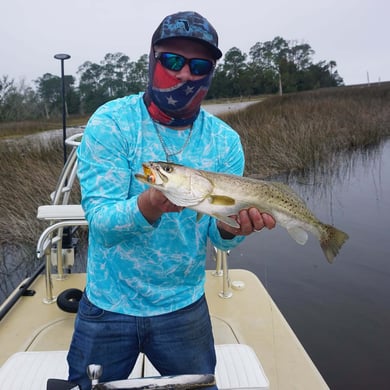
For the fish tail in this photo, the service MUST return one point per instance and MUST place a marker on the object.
(331, 241)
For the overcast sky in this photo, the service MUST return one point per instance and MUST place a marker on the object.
(354, 33)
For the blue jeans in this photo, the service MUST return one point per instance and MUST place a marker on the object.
(176, 343)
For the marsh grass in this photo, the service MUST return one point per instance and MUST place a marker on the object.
(307, 130)
(281, 134)
(22, 128)
(28, 174)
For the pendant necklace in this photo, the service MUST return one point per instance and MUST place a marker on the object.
(167, 151)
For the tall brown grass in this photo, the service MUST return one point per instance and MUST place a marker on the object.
(28, 174)
(281, 134)
(306, 130)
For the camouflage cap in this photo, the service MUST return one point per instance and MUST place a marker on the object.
(190, 25)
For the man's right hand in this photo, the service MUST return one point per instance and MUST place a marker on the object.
(153, 204)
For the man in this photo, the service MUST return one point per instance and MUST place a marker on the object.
(146, 257)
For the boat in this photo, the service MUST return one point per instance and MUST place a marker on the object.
(255, 346)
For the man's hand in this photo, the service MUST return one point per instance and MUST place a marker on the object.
(153, 203)
(250, 221)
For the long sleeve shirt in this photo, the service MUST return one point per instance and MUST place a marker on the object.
(135, 267)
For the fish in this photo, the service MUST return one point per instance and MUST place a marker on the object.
(222, 196)
(191, 381)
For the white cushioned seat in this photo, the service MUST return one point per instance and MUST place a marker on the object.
(237, 368)
(61, 212)
(31, 370)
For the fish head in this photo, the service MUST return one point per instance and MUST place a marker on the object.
(161, 175)
(182, 185)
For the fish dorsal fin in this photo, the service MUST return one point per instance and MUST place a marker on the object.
(283, 187)
(222, 200)
(288, 190)
(298, 234)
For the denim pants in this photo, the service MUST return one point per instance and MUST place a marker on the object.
(176, 343)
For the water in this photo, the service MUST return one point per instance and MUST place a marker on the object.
(341, 311)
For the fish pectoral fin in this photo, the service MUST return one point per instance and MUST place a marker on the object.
(228, 220)
(222, 200)
(298, 234)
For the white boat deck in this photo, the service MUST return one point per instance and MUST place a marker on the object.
(249, 317)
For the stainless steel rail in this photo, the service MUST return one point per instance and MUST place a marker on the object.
(44, 245)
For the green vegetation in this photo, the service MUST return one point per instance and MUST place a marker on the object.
(271, 66)
(280, 134)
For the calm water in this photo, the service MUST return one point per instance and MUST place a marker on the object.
(339, 311)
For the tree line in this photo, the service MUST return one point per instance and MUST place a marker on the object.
(277, 66)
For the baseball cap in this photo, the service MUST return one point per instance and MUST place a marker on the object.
(190, 25)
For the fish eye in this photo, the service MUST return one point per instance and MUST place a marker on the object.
(168, 168)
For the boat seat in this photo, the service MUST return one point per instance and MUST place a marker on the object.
(237, 368)
(31, 370)
(61, 212)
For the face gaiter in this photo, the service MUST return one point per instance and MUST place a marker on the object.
(172, 102)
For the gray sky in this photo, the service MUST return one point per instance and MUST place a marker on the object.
(354, 33)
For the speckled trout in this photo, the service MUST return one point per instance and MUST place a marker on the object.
(223, 196)
(194, 381)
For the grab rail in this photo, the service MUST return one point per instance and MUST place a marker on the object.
(44, 244)
(60, 197)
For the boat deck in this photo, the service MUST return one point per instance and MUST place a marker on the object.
(249, 317)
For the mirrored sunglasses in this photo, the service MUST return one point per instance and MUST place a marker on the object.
(176, 62)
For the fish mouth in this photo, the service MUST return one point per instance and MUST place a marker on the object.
(152, 174)
(149, 175)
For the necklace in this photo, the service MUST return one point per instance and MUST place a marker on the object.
(167, 151)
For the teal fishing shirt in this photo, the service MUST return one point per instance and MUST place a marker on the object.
(134, 267)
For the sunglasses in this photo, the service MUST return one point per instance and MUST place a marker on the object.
(176, 62)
